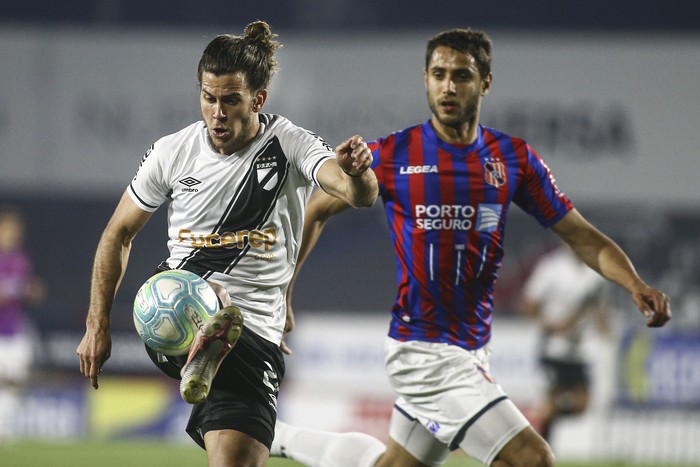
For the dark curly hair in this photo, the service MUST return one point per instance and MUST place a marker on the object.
(474, 42)
(252, 54)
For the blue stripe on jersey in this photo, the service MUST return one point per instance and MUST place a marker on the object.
(461, 305)
(432, 196)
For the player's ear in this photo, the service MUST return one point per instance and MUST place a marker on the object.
(259, 100)
(486, 84)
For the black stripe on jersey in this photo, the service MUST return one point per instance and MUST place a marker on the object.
(321, 161)
(143, 159)
(250, 207)
(131, 187)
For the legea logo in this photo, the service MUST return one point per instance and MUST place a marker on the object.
(418, 169)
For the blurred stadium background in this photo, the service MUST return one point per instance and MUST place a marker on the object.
(605, 91)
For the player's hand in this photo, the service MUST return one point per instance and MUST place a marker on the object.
(654, 305)
(288, 327)
(353, 156)
(93, 351)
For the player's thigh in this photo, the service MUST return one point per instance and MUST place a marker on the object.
(397, 456)
(486, 435)
(230, 448)
(526, 449)
(411, 444)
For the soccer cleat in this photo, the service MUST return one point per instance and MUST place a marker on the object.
(210, 346)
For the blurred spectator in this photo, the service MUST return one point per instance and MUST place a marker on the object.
(18, 287)
(564, 295)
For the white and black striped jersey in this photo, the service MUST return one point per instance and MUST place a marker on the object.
(237, 219)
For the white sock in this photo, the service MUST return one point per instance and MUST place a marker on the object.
(324, 448)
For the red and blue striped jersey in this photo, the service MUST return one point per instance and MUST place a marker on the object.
(446, 206)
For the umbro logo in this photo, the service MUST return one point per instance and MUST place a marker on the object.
(190, 181)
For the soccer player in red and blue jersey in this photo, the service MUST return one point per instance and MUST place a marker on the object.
(447, 186)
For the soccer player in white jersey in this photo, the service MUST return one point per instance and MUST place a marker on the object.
(563, 296)
(236, 184)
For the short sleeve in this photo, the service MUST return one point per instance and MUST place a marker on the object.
(538, 194)
(149, 189)
(307, 151)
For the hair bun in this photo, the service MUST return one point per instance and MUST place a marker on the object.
(258, 31)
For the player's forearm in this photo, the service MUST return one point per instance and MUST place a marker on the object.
(616, 266)
(598, 251)
(110, 264)
(607, 258)
(361, 191)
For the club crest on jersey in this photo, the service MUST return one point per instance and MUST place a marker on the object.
(495, 173)
(266, 172)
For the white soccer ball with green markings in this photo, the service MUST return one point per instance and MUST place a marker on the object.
(170, 307)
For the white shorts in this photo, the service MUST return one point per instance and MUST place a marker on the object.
(447, 400)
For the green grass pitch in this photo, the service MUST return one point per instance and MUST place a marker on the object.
(160, 454)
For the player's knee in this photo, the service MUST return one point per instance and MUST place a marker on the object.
(527, 458)
(542, 456)
(528, 449)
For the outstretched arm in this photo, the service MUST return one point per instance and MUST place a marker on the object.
(607, 258)
(320, 208)
(346, 181)
(348, 177)
(108, 269)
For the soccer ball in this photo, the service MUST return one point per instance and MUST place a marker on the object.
(170, 307)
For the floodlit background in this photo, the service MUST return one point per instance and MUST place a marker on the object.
(606, 92)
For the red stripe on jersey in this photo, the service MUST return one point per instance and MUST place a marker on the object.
(447, 262)
(536, 192)
(475, 169)
(502, 196)
(378, 171)
(497, 156)
(418, 243)
(387, 175)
